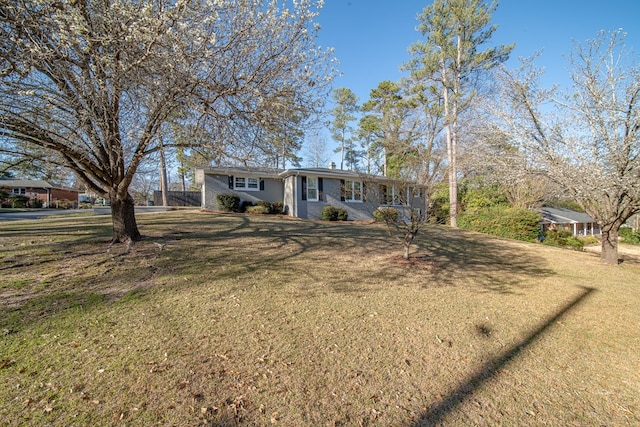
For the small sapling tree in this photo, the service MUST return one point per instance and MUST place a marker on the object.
(402, 210)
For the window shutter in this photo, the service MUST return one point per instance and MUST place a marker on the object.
(320, 189)
(304, 188)
(230, 182)
(364, 191)
(261, 184)
(342, 190)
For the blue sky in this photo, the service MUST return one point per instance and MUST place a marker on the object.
(371, 37)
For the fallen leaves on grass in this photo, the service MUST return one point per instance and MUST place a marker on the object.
(416, 262)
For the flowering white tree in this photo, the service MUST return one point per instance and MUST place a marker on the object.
(96, 83)
(587, 141)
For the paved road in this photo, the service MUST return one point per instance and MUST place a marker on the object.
(97, 210)
(35, 214)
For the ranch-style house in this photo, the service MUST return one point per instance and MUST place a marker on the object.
(305, 191)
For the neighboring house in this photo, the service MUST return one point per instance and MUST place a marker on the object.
(47, 194)
(578, 223)
(305, 191)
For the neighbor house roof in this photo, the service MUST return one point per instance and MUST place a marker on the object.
(24, 183)
(564, 216)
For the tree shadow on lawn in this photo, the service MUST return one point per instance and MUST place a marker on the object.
(445, 257)
(258, 249)
(84, 272)
(489, 263)
(437, 413)
(281, 246)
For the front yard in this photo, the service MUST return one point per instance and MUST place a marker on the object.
(254, 320)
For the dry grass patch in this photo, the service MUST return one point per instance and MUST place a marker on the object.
(246, 320)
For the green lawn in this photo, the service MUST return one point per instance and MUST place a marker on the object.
(260, 320)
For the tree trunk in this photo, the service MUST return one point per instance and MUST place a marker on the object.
(163, 175)
(453, 183)
(451, 152)
(125, 228)
(384, 160)
(408, 239)
(609, 245)
(453, 193)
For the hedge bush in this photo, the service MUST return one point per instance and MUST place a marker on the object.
(62, 204)
(330, 213)
(563, 239)
(259, 209)
(503, 221)
(277, 208)
(267, 207)
(245, 204)
(628, 236)
(342, 214)
(19, 201)
(385, 214)
(589, 240)
(228, 202)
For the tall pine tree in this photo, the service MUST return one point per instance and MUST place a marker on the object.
(451, 55)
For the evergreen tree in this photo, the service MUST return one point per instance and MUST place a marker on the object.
(344, 113)
(451, 55)
(392, 112)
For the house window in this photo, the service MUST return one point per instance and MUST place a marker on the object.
(312, 189)
(413, 193)
(252, 183)
(353, 191)
(19, 191)
(390, 195)
(246, 183)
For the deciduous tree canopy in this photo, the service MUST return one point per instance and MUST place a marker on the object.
(95, 82)
(587, 140)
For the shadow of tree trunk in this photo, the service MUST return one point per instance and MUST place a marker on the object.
(436, 414)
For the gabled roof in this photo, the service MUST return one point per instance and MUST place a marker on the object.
(237, 170)
(323, 172)
(24, 183)
(564, 216)
(344, 174)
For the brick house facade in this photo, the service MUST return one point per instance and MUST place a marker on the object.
(38, 193)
